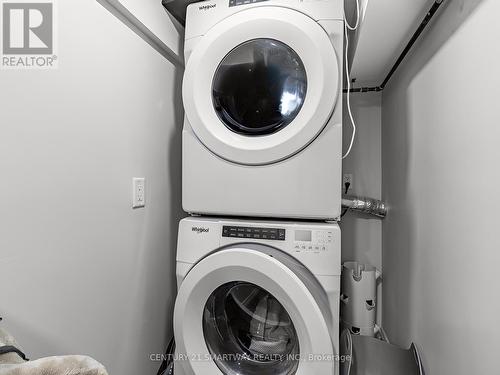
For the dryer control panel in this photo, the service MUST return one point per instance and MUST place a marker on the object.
(255, 233)
(315, 245)
(234, 3)
(312, 240)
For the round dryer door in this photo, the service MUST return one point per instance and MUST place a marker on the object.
(261, 85)
(244, 311)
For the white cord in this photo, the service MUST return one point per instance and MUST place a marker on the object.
(358, 18)
(349, 94)
(348, 74)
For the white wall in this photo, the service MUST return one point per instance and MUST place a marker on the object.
(362, 234)
(440, 138)
(155, 17)
(80, 271)
(387, 27)
(152, 22)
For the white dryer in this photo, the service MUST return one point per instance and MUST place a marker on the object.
(257, 298)
(263, 108)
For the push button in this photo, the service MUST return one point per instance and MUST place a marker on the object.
(281, 234)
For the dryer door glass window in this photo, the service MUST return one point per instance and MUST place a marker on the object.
(249, 332)
(259, 87)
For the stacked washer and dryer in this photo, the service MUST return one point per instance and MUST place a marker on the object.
(258, 260)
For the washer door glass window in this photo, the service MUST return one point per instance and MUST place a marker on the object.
(259, 87)
(249, 332)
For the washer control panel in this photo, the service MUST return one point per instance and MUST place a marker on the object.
(255, 233)
(312, 240)
(234, 3)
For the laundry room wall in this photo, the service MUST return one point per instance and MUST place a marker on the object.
(440, 138)
(151, 15)
(362, 235)
(80, 271)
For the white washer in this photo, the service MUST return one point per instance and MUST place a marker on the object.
(262, 95)
(257, 298)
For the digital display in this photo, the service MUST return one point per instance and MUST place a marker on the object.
(303, 235)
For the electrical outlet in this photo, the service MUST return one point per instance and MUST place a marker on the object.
(347, 179)
(138, 192)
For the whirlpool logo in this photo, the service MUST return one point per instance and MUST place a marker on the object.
(200, 230)
(208, 6)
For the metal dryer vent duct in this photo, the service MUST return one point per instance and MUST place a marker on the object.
(364, 205)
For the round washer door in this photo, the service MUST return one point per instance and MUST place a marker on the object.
(261, 85)
(242, 311)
